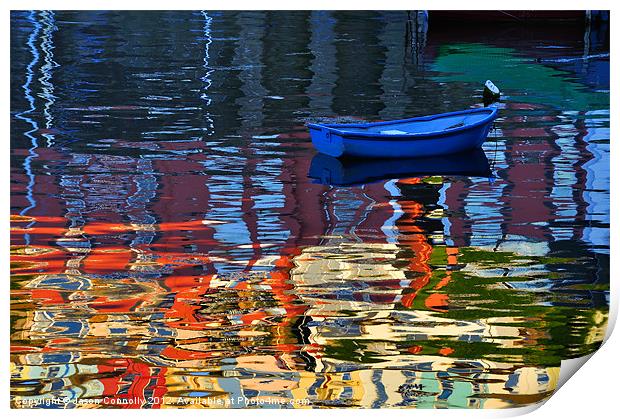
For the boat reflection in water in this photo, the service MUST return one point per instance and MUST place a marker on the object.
(341, 172)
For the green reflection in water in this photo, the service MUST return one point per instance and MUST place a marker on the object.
(523, 79)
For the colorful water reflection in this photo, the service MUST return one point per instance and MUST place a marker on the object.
(169, 250)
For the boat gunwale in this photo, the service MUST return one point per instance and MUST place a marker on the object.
(403, 137)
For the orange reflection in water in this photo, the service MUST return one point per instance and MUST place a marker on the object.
(153, 315)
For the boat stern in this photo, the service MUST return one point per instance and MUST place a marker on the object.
(326, 141)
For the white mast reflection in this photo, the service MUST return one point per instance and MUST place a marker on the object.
(207, 77)
(27, 86)
(47, 88)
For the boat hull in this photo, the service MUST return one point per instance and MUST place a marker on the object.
(336, 141)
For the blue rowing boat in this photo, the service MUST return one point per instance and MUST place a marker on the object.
(355, 171)
(424, 136)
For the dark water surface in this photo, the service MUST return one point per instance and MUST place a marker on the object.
(169, 247)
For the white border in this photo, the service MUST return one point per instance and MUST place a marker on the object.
(593, 393)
